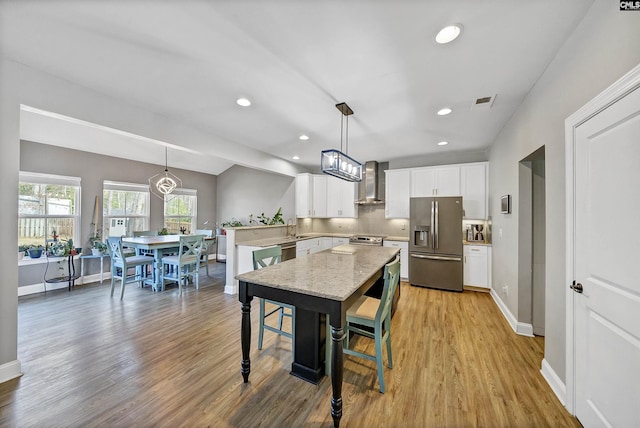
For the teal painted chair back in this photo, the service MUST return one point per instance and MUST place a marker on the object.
(267, 257)
(391, 280)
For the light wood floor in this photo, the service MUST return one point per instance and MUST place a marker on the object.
(160, 359)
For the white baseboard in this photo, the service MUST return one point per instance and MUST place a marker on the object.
(520, 328)
(230, 289)
(557, 386)
(10, 371)
(524, 329)
(25, 290)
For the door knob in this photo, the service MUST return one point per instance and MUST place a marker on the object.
(577, 287)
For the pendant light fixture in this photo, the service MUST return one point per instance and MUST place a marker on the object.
(335, 162)
(163, 184)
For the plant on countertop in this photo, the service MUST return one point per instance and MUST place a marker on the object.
(163, 231)
(232, 223)
(276, 219)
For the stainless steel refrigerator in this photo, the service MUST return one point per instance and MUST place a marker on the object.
(435, 244)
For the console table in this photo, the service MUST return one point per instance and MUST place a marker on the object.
(91, 256)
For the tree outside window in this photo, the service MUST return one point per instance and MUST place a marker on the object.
(180, 212)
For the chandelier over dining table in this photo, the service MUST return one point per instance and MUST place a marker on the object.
(165, 183)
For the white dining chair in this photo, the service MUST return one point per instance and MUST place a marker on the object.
(207, 233)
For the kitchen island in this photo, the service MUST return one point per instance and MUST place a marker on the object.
(328, 282)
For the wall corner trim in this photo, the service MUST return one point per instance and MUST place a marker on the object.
(10, 370)
(520, 328)
(557, 386)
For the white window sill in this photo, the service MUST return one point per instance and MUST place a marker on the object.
(28, 261)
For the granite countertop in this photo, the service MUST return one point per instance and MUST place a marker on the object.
(397, 238)
(331, 274)
(465, 242)
(279, 240)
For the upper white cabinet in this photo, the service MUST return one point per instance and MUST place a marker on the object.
(473, 179)
(341, 196)
(303, 195)
(319, 196)
(324, 196)
(397, 193)
(435, 181)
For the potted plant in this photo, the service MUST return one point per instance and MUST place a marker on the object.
(35, 251)
(22, 250)
(97, 246)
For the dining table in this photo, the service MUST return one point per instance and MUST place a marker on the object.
(157, 246)
(321, 286)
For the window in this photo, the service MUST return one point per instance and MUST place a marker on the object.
(47, 205)
(180, 211)
(125, 208)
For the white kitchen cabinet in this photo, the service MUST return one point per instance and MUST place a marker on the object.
(341, 196)
(319, 196)
(308, 246)
(473, 184)
(404, 255)
(397, 193)
(325, 243)
(304, 191)
(477, 266)
(435, 181)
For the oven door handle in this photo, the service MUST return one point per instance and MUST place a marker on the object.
(445, 258)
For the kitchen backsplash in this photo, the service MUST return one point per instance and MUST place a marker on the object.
(370, 221)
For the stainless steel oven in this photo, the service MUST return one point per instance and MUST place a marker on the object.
(366, 240)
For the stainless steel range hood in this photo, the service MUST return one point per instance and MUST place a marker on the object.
(371, 188)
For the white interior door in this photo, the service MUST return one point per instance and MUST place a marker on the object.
(606, 323)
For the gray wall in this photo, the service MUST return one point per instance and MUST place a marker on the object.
(93, 169)
(245, 191)
(603, 48)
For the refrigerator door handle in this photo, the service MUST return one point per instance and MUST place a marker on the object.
(435, 235)
(450, 259)
(433, 228)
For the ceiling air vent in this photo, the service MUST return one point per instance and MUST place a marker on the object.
(483, 103)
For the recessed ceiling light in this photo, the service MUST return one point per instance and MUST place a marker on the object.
(449, 33)
(443, 143)
(444, 111)
(303, 137)
(243, 102)
(296, 157)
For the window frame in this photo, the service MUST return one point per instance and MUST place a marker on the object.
(46, 179)
(119, 186)
(194, 216)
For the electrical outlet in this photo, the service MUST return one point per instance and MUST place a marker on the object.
(505, 290)
(403, 226)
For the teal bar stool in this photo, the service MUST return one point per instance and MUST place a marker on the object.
(261, 259)
(375, 313)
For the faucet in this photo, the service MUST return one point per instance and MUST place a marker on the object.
(290, 228)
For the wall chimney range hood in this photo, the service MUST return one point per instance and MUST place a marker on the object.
(371, 188)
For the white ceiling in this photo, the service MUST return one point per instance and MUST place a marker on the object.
(190, 60)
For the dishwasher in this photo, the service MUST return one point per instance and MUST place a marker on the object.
(288, 251)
